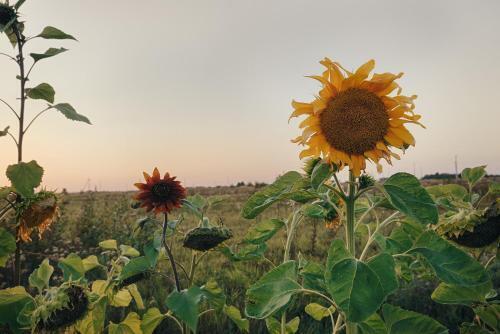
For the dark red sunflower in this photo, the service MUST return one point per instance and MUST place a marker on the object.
(160, 195)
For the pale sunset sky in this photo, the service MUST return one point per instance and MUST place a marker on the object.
(203, 88)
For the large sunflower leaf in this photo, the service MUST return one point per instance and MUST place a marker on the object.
(72, 267)
(12, 301)
(354, 285)
(269, 195)
(235, 315)
(272, 291)
(466, 295)
(184, 305)
(451, 264)
(7, 246)
(25, 177)
(131, 325)
(47, 54)
(70, 113)
(40, 277)
(151, 319)
(400, 321)
(405, 193)
(473, 175)
(263, 231)
(373, 325)
(321, 172)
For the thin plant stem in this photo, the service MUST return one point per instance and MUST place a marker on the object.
(13, 138)
(371, 238)
(313, 292)
(351, 328)
(34, 118)
(169, 253)
(283, 323)
(168, 315)
(192, 268)
(337, 324)
(10, 107)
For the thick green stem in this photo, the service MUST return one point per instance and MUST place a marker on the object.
(351, 328)
(169, 253)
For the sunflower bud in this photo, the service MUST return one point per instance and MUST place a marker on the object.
(366, 181)
(7, 15)
(206, 238)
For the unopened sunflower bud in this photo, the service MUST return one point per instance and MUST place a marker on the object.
(366, 181)
(7, 15)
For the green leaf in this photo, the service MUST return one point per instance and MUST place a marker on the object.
(7, 246)
(494, 188)
(269, 195)
(451, 265)
(109, 244)
(400, 321)
(5, 131)
(131, 325)
(383, 265)
(354, 285)
(314, 211)
(373, 325)
(473, 175)
(214, 294)
(313, 275)
(466, 295)
(490, 315)
(455, 191)
(234, 314)
(318, 312)
(272, 291)
(129, 251)
(121, 299)
(25, 177)
(152, 250)
(43, 91)
(54, 33)
(135, 266)
(249, 252)
(263, 231)
(151, 319)
(12, 301)
(72, 267)
(90, 262)
(184, 305)
(402, 237)
(405, 193)
(40, 277)
(47, 54)
(322, 172)
(274, 326)
(94, 320)
(67, 110)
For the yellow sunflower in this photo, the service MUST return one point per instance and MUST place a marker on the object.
(353, 119)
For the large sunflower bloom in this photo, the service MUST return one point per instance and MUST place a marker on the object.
(353, 119)
(160, 195)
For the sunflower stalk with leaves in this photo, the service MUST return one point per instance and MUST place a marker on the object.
(388, 228)
(25, 177)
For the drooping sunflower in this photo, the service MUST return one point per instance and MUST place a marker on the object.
(354, 119)
(160, 194)
(7, 16)
(37, 213)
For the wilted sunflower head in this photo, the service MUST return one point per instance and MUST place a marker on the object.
(160, 194)
(206, 238)
(353, 119)
(7, 15)
(38, 213)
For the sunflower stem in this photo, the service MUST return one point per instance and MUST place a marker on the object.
(351, 328)
(169, 253)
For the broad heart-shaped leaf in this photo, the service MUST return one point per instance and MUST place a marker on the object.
(263, 231)
(67, 110)
(214, 294)
(373, 325)
(121, 299)
(354, 285)
(25, 177)
(405, 193)
(47, 54)
(401, 238)
(400, 321)
(318, 312)
(473, 175)
(272, 291)
(264, 198)
(321, 172)
(466, 295)
(184, 305)
(40, 277)
(131, 325)
(313, 275)
(151, 319)
(12, 301)
(7, 245)
(384, 266)
(43, 91)
(136, 295)
(54, 33)
(235, 315)
(451, 265)
(135, 266)
(72, 267)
